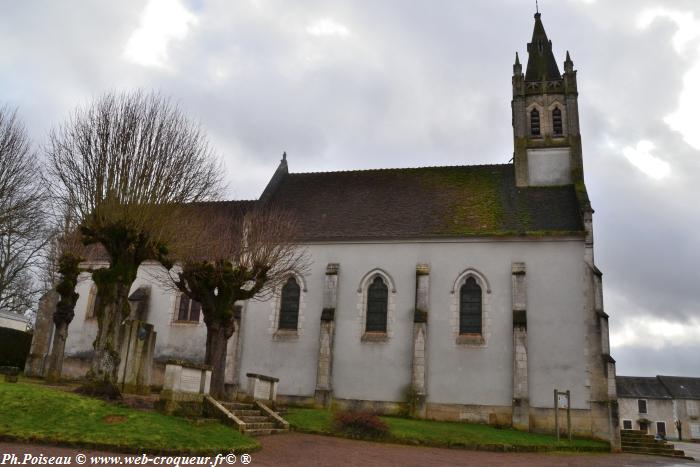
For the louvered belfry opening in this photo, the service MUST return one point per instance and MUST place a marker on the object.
(535, 122)
(556, 122)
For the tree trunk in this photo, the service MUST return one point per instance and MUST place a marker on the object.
(106, 358)
(217, 339)
(57, 350)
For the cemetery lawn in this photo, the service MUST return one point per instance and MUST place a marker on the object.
(34, 413)
(448, 434)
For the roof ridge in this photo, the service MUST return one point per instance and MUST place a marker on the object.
(389, 169)
(226, 201)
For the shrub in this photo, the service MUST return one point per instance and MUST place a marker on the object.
(360, 425)
(14, 347)
(100, 390)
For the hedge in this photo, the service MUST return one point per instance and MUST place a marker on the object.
(14, 347)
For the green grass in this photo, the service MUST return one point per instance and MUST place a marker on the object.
(30, 412)
(448, 434)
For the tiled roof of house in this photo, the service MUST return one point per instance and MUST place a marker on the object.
(426, 202)
(681, 387)
(641, 387)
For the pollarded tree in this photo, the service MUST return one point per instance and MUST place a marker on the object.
(122, 167)
(70, 253)
(23, 231)
(231, 255)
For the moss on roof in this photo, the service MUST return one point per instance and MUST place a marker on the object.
(426, 202)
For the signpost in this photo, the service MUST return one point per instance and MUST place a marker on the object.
(562, 401)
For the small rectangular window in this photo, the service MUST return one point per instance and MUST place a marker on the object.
(189, 309)
(642, 405)
(626, 424)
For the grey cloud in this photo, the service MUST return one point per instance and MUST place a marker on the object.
(415, 83)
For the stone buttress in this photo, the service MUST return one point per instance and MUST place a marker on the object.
(521, 402)
(324, 390)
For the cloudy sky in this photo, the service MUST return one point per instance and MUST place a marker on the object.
(396, 83)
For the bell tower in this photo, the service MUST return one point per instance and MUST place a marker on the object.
(547, 141)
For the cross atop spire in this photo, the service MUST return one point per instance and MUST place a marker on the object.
(541, 65)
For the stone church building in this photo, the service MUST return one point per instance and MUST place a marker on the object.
(475, 285)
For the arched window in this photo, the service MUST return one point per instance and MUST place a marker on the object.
(289, 308)
(377, 299)
(535, 122)
(556, 122)
(470, 307)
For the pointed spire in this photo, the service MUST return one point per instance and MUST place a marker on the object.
(541, 64)
(568, 63)
(517, 67)
(284, 154)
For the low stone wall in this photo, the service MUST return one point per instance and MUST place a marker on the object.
(76, 366)
(487, 414)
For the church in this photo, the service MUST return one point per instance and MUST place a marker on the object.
(471, 289)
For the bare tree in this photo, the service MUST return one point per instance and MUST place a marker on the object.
(122, 167)
(23, 232)
(233, 255)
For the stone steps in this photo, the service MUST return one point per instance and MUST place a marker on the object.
(251, 419)
(255, 419)
(238, 406)
(259, 426)
(263, 432)
(245, 413)
(638, 442)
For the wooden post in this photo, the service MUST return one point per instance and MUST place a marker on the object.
(568, 413)
(556, 412)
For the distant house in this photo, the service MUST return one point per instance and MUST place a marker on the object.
(14, 321)
(654, 404)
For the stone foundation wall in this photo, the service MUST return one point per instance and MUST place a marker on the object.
(76, 366)
(587, 423)
(487, 414)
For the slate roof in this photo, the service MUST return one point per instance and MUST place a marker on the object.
(541, 63)
(681, 387)
(411, 203)
(426, 202)
(641, 387)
